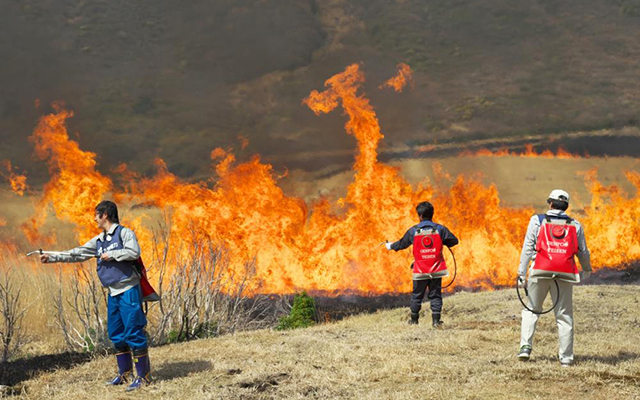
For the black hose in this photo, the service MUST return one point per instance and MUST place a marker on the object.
(455, 268)
(526, 292)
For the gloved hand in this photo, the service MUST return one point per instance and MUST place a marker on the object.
(586, 274)
(387, 245)
(522, 282)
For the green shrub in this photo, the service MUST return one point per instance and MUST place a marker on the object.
(302, 313)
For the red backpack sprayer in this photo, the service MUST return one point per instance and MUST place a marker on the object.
(428, 256)
(556, 246)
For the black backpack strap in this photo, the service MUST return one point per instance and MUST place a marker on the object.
(542, 217)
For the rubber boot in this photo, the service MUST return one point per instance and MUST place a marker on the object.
(125, 367)
(143, 369)
(436, 321)
(414, 319)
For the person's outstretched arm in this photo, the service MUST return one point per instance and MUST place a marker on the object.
(79, 254)
(406, 241)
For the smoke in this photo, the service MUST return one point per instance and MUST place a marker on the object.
(167, 79)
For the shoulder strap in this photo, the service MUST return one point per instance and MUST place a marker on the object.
(137, 264)
(542, 217)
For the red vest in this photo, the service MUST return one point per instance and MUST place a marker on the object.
(556, 247)
(427, 253)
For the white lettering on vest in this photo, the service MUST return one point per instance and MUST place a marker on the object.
(560, 251)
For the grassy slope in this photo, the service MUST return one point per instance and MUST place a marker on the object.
(380, 356)
(177, 81)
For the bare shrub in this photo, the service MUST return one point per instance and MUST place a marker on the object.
(81, 313)
(202, 295)
(12, 312)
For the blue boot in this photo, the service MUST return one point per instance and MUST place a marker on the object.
(143, 369)
(125, 367)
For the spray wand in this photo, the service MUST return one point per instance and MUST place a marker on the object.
(58, 253)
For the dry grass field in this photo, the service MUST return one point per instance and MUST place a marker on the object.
(379, 356)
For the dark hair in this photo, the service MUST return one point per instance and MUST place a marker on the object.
(109, 208)
(425, 211)
(558, 204)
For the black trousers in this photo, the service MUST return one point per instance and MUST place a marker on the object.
(433, 289)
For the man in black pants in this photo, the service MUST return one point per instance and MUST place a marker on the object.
(429, 266)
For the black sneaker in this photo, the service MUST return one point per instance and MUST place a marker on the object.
(414, 319)
(525, 353)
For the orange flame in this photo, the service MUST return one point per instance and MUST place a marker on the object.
(18, 182)
(75, 186)
(529, 152)
(398, 82)
(310, 246)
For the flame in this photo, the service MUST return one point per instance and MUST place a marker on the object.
(529, 152)
(18, 182)
(612, 222)
(75, 186)
(398, 82)
(312, 246)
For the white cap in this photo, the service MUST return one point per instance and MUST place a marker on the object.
(559, 194)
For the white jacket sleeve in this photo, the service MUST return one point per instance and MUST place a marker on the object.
(529, 245)
(79, 254)
(584, 256)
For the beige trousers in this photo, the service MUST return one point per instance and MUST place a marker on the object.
(564, 314)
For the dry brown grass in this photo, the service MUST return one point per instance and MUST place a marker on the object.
(379, 356)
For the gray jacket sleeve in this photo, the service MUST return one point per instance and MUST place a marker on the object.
(79, 254)
(584, 256)
(529, 246)
(131, 248)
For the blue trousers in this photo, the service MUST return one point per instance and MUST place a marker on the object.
(126, 320)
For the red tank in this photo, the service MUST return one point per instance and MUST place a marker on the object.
(427, 253)
(148, 293)
(556, 248)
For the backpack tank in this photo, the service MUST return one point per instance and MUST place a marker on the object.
(556, 247)
(427, 253)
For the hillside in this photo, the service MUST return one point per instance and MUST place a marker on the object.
(158, 78)
(379, 356)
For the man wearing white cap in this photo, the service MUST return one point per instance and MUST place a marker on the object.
(553, 240)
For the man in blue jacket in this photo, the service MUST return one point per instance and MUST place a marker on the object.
(116, 249)
(427, 275)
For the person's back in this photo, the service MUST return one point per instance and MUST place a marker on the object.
(552, 241)
(429, 266)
